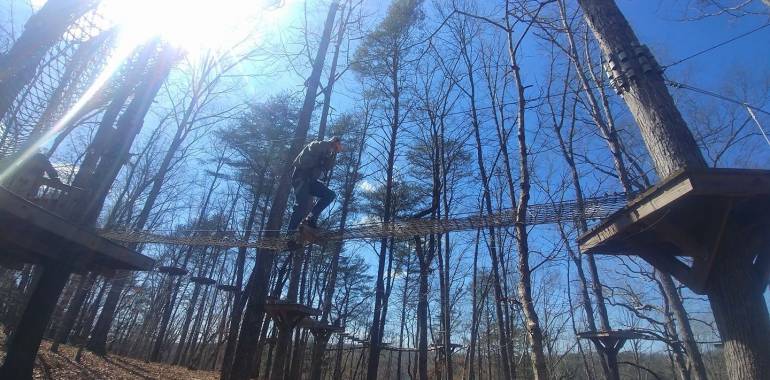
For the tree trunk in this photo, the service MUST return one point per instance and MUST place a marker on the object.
(505, 365)
(241, 366)
(238, 297)
(534, 332)
(402, 325)
(114, 154)
(735, 296)
(168, 308)
(698, 369)
(22, 347)
(375, 339)
(333, 71)
(422, 310)
(670, 328)
(609, 133)
(98, 342)
(472, 346)
(740, 310)
(43, 29)
(285, 331)
(347, 200)
(73, 310)
(665, 133)
(186, 324)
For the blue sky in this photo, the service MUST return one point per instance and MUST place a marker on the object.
(659, 25)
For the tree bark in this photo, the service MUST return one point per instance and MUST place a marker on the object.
(698, 369)
(422, 310)
(740, 310)
(41, 32)
(73, 310)
(665, 133)
(22, 347)
(734, 293)
(242, 365)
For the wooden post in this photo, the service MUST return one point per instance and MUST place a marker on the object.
(321, 339)
(23, 346)
(285, 330)
(73, 311)
(239, 364)
(735, 290)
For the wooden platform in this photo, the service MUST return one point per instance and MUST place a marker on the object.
(316, 327)
(288, 314)
(203, 280)
(172, 271)
(227, 288)
(611, 341)
(615, 335)
(440, 347)
(678, 225)
(31, 234)
(309, 235)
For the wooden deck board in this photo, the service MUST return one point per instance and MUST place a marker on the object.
(37, 234)
(686, 215)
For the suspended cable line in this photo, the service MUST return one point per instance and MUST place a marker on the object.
(723, 43)
(543, 213)
(715, 95)
(756, 121)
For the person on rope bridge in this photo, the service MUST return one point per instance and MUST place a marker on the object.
(315, 159)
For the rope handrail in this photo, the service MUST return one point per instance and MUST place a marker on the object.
(543, 213)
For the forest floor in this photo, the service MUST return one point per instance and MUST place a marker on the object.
(62, 366)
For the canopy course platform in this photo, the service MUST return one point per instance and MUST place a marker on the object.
(227, 288)
(31, 234)
(320, 330)
(611, 341)
(200, 280)
(172, 271)
(287, 314)
(441, 347)
(681, 225)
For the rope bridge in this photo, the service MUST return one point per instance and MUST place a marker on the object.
(543, 213)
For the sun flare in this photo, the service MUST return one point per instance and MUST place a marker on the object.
(193, 25)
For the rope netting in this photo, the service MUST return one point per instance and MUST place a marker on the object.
(63, 75)
(543, 213)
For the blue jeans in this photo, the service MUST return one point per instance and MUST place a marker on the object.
(304, 190)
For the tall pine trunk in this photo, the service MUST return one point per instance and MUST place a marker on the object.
(241, 365)
(738, 303)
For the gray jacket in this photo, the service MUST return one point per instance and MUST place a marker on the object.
(314, 159)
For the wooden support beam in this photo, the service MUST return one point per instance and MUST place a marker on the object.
(23, 345)
(689, 215)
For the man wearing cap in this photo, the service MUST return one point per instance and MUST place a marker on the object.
(314, 160)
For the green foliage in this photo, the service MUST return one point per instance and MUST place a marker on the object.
(376, 54)
(407, 199)
(261, 137)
